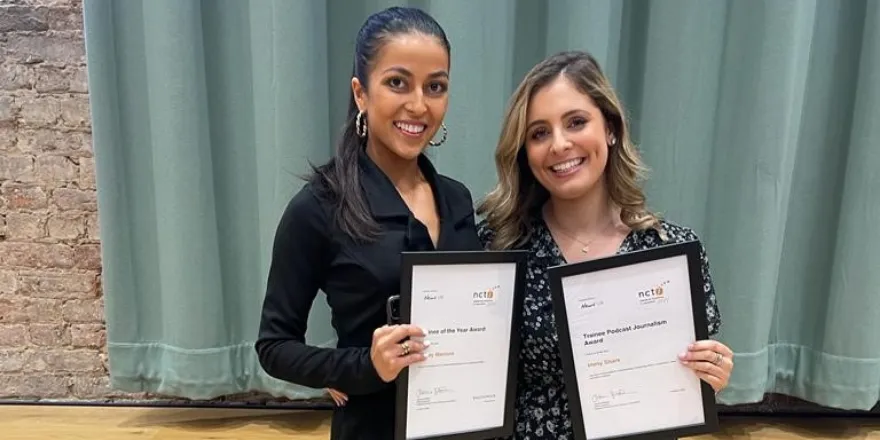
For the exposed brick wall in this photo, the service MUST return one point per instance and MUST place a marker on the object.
(52, 338)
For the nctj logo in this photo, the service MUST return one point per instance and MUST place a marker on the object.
(654, 294)
(485, 297)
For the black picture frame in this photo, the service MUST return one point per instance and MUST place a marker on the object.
(691, 250)
(447, 258)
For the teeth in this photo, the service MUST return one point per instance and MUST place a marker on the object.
(410, 128)
(567, 165)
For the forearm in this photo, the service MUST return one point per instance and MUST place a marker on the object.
(349, 370)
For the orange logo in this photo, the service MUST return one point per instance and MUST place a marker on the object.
(654, 292)
(488, 294)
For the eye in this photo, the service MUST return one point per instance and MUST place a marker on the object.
(437, 87)
(395, 82)
(538, 134)
(577, 122)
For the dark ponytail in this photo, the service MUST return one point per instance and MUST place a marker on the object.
(339, 179)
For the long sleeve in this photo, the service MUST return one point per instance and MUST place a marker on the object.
(301, 258)
(713, 314)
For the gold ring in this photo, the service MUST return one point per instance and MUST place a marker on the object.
(405, 347)
(718, 358)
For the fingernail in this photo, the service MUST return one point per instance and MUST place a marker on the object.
(427, 343)
(682, 355)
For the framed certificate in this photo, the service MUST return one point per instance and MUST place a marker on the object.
(470, 306)
(622, 321)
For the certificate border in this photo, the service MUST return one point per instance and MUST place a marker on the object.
(691, 250)
(409, 261)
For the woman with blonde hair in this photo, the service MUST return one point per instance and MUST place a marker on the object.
(569, 190)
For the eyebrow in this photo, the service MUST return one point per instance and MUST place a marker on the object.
(564, 115)
(403, 71)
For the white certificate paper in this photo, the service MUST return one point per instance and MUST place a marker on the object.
(466, 311)
(627, 325)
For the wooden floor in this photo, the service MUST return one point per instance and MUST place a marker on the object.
(96, 423)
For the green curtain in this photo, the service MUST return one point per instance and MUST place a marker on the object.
(759, 120)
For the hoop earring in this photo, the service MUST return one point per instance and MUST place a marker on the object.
(443, 139)
(360, 125)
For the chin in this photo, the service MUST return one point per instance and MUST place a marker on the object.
(408, 152)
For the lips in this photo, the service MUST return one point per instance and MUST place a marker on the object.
(411, 128)
(568, 166)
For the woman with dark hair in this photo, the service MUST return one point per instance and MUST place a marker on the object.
(343, 232)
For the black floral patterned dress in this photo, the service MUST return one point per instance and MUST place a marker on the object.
(541, 403)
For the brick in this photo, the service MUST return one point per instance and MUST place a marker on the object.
(79, 82)
(22, 226)
(92, 387)
(39, 110)
(57, 284)
(22, 19)
(66, 360)
(93, 227)
(67, 225)
(12, 360)
(64, 19)
(48, 335)
(83, 311)
(56, 49)
(75, 199)
(25, 197)
(17, 168)
(51, 79)
(43, 310)
(75, 111)
(8, 281)
(8, 140)
(13, 335)
(8, 111)
(88, 335)
(34, 386)
(87, 175)
(65, 110)
(13, 310)
(36, 255)
(43, 140)
(56, 169)
(14, 76)
(88, 256)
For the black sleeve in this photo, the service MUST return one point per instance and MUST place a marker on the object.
(713, 314)
(300, 261)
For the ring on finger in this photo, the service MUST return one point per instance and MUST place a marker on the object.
(718, 359)
(405, 347)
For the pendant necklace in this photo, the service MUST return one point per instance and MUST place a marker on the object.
(585, 245)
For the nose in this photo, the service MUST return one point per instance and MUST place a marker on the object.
(560, 142)
(416, 104)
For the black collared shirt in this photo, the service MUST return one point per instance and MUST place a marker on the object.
(311, 253)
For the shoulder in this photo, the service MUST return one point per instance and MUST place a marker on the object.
(665, 233)
(458, 196)
(485, 232)
(307, 210)
(455, 189)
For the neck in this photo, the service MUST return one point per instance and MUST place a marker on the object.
(585, 215)
(403, 173)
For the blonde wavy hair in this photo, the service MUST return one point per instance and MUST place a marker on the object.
(518, 196)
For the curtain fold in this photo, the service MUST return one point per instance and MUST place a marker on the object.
(756, 118)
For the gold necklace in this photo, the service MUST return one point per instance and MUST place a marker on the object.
(586, 245)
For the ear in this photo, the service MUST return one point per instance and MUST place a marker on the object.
(610, 138)
(360, 94)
